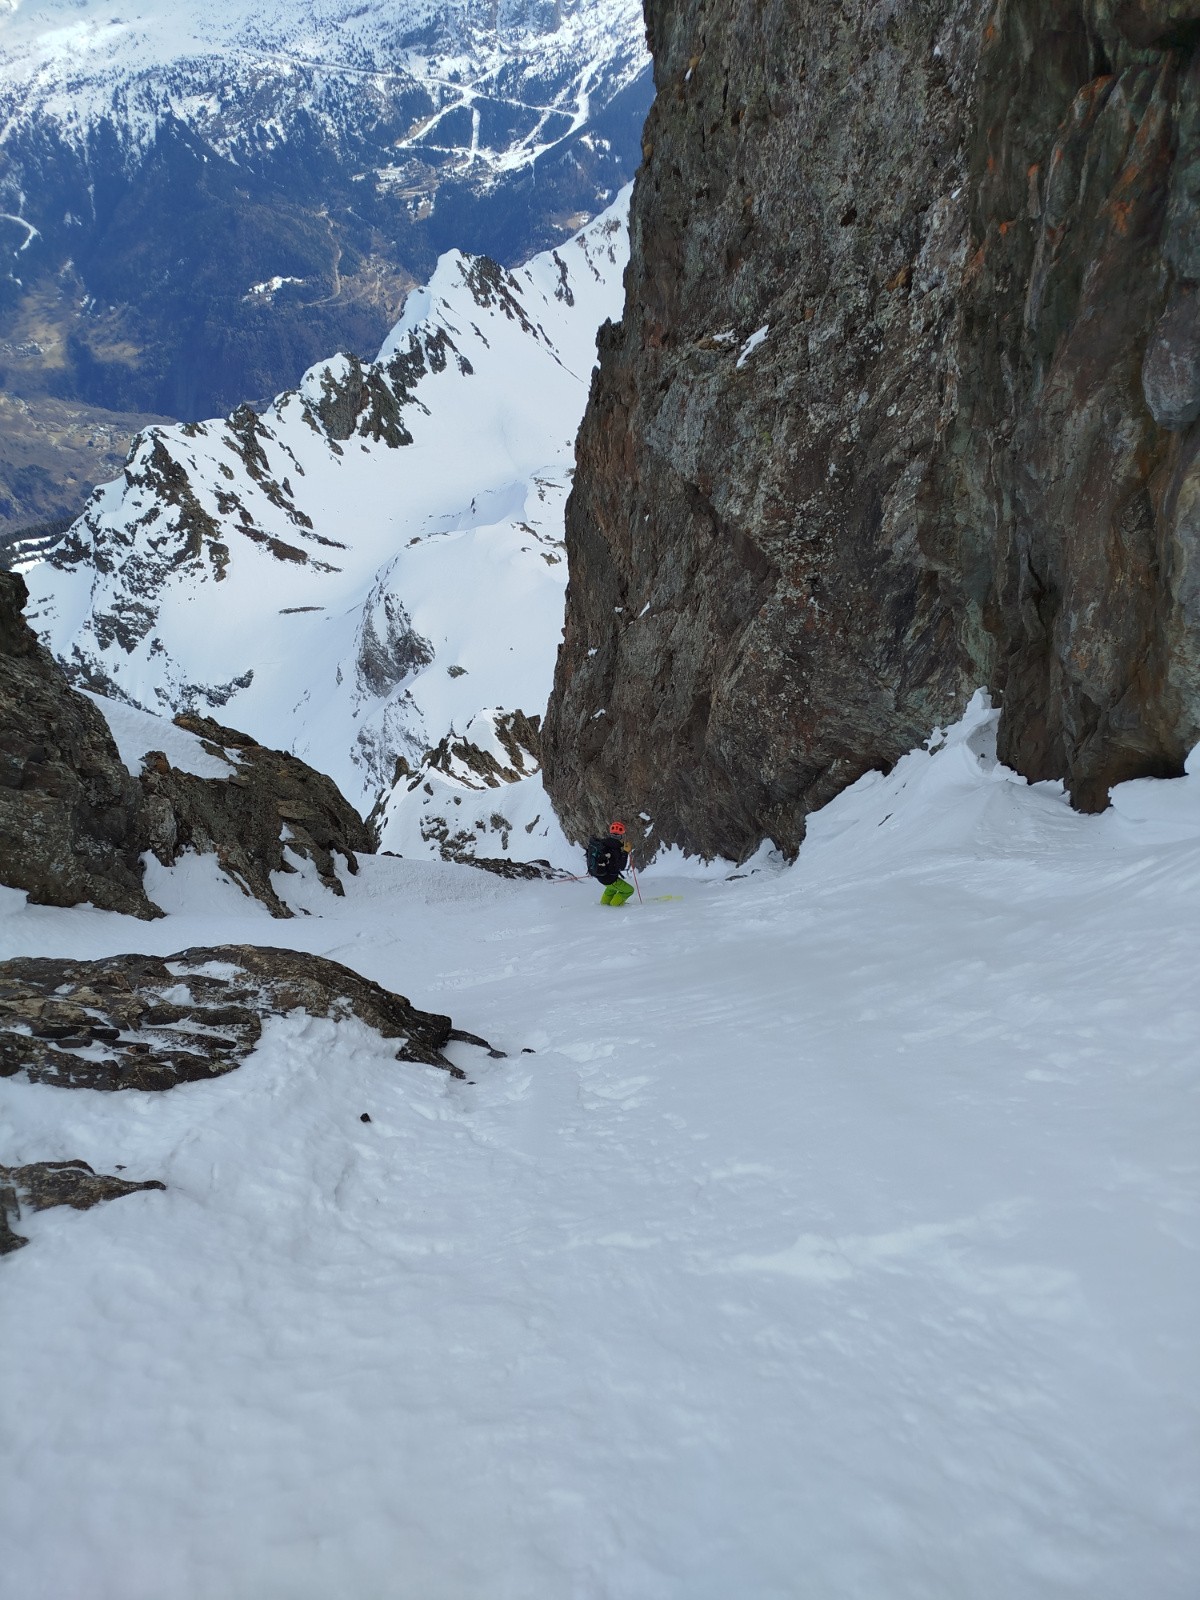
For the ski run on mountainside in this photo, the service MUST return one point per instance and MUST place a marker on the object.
(836, 1239)
(236, 72)
(822, 1229)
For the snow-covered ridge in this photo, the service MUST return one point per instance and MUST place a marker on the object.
(244, 71)
(369, 574)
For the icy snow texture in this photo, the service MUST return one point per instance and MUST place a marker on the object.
(839, 1240)
(453, 540)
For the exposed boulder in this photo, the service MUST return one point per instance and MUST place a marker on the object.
(271, 803)
(901, 403)
(44, 1184)
(69, 810)
(151, 1022)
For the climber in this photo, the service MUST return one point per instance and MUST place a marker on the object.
(607, 859)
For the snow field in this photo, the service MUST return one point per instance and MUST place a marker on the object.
(838, 1240)
(136, 732)
(76, 62)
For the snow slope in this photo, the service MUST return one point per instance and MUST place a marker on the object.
(201, 198)
(375, 565)
(839, 1239)
(235, 71)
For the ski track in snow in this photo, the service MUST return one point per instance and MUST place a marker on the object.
(75, 62)
(838, 1240)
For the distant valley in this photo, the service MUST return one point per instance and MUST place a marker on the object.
(197, 204)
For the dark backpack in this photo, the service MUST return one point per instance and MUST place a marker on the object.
(605, 859)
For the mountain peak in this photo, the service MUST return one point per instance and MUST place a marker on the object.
(370, 571)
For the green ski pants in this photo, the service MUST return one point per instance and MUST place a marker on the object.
(617, 893)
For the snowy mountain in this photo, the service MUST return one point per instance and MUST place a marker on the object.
(848, 1252)
(502, 84)
(370, 573)
(199, 199)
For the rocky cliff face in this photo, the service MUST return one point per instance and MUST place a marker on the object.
(69, 810)
(903, 401)
(74, 822)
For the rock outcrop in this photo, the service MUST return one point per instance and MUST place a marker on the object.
(152, 1022)
(74, 823)
(43, 1184)
(270, 804)
(904, 401)
(69, 810)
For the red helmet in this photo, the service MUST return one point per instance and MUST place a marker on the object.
(617, 828)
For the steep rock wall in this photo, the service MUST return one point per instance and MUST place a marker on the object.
(75, 824)
(903, 401)
(69, 811)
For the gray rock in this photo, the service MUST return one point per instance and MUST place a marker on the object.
(152, 1022)
(69, 810)
(44, 1184)
(872, 431)
(538, 870)
(1171, 367)
(389, 647)
(10, 1206)
(269, 803)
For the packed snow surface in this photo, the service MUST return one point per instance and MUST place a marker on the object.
(136, 732)
(838, 1239)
